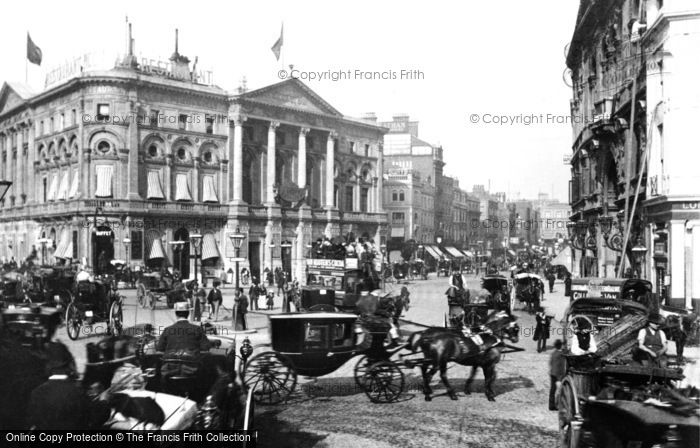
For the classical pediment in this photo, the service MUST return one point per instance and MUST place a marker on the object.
(11, 97)
(291, 94)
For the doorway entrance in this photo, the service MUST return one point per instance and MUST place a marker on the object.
(181, 253)
(254, 259)
(102, 249)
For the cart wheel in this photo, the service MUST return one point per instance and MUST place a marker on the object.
(383, 382)
(73, 321)
(270, 376)
(361, 369)
(566, 403)
(141, 294)
(115, 319)
(151, 300)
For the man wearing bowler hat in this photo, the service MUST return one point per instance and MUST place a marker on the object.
(652, 343)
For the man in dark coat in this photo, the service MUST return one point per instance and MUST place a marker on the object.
(240, 306)
(214, 299)
(557, 371)
(567, 285)
(181, 341)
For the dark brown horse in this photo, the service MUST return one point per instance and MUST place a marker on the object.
(482, 349)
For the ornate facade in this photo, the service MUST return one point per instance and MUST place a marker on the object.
(120, 164)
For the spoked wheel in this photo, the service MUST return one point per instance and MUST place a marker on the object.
(73, 321)
(568, 437)
(361, 369)
(383, 382)
(116, 319)
(270, 376)
(150, 300)
(141, 295)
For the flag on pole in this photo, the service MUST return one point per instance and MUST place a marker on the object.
(277, 47)
(34, 54)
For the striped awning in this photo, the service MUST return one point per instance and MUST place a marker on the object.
(468, 253)
(62, 247)
(209, 247)
(63, 187)
(454, 252)
(443, 253)
(156, 245)
(209, 193)
(104, 181)
(53, 187)
(73, 193)
(431, 250)
(182, 187)
(155, 187)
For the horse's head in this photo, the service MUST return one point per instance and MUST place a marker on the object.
(500, 322)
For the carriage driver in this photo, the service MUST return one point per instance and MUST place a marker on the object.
(181, 344)
(457, 284)
(652, 343)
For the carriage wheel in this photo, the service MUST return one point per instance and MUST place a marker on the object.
(270, 376)
(151, 300)
(73, 321)
(141, 294)
(361, 369)
(383, 383)
(115, 319)
(566, 403)
(249, 414)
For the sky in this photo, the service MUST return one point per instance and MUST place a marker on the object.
(487, 79)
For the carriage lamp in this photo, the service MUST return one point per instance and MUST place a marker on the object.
(246, 350)
(4, 187)
(237, 241)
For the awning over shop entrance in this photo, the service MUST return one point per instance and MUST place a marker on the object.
(157, 250)
(454, 252)
(432, 251)
(469, 254)
(209, 247)
(62, 250)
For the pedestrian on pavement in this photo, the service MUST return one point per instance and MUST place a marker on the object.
(199, 297)
(280, 279)
(567, 285)
(254, 293)
(541, 329)
(215, 299)
(557, 371)
(270, 301)
(550, 279)
(240, 308)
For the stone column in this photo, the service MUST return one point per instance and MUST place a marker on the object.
(330, 169)
(195, 180)
(19, 189)
(271, 161)
(223, 184)
(132, 177)
(8, 163)
(375, 196)
(238, 159)
(169, 195)
(31, 156)
(301, 163)
(380, 179)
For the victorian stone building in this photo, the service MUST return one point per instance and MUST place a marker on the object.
(635, 94)
(122, 163)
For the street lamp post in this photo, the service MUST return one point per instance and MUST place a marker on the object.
(196, 240)
(127, 243)
(236, 241)
(43, 242)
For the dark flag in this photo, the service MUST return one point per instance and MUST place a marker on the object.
(277, 47)
(34, 54)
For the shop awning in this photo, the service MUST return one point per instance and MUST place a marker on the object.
(155, 186)
(397, 232)
(157, 250)
(432, 252)
(63, 187)
(53, 188)
(104, 181)
(61, 250)
(209, 247)
(468, 253)
(454, 252)
(182, 188)
(209, 193)
(73, 193)
(442, 252)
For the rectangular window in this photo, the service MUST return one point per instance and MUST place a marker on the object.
(74, 117)
(182, 122)
(153, 118)
(349, 198)
(401, 197)
(397, 217)
(62, 121)
(74, 236)
(102, 112)
(209, 122)
(136, 245)
(51, 125)
(364, 195)
(104, 181)
(366, 154)
(44, 183)
(394, 196)
(352, 147)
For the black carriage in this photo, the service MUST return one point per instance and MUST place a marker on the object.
(443, 268)
(152, 287)
(500, 289)
(418, 270)
(315, 344)
(50, 286)
(93, 302)
(606, 398)
(529, 288)
(207, 397)
(30, 324)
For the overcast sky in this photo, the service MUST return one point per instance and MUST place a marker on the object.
(489, 58)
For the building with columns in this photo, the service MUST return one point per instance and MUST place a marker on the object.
(634, 72)
(122, 163)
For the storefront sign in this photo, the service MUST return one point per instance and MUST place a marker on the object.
(690, 205)
(319, 263)
(166, 69)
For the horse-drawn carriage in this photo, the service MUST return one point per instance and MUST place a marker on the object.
(50, 286)
(500, 289)
(608, 399)
(529, 288)
(444, 268)
(152, 287)
(93, 302)
(12, 286)
(418, 270)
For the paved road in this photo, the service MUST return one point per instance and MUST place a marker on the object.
(332, 412)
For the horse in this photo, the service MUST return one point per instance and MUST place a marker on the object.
(483, 349)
